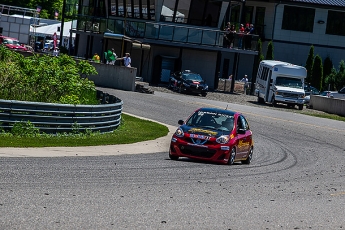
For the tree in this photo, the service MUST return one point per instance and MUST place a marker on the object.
(48, 6)
(327, 70)
(340, 81)
(317, 73)
(269, 53)
(309, 64)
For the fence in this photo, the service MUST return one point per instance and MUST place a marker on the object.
(57, 118)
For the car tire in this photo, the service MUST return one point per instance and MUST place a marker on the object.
(300, 107)
(180, 89)
(274, 103)
(172, 157)
(232, 156)
(260, 100)
(204, 94)
(249, 158)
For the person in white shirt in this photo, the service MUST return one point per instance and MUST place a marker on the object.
(126, 60)
(245, 85)
(56, 52)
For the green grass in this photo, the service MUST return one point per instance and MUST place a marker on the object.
(325, 115)
(131, 130)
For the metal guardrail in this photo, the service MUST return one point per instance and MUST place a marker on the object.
(58, 118)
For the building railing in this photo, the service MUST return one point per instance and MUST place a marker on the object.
(163, 31)
(58, 118)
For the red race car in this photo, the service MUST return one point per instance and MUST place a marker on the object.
(216, 135)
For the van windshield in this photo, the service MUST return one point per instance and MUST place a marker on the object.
(289, 82)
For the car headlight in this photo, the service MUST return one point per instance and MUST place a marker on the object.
(223, 139)
(179, 132)
(279, 93)
(301, 96)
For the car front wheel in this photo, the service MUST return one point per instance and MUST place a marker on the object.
(172, 157)
(232, 156)
(180, 90)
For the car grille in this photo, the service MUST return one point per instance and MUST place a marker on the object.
(197, 151)
(290, 95)
(195, 88)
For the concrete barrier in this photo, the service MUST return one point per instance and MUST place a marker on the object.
(112, 76)
(327, 104)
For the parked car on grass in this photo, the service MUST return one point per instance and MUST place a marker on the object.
(216, 135)
(188, 82)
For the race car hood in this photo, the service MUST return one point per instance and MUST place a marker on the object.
(289, 89)
(201, 131)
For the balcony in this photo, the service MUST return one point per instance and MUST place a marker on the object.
(164, 33)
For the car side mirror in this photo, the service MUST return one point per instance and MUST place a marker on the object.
(180, 122)
(241, 131)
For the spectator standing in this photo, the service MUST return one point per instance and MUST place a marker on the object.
(96, 58)
(56, 52)
(127, 61)
(111, 57)
(226, 35)
(249, 33)
(231, 35)
(245, 83)
(240, 36)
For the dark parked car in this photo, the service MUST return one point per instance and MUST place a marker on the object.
(188, 82)
(310, 90)
(215, 135)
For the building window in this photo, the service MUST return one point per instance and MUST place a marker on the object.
(260, 21)
(298, 19)
(182, 11)
(168, 10)
(248, 14)
(335, 23)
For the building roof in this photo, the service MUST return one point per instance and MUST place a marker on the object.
(323, 2)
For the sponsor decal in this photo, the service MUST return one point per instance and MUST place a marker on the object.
(242, 143)
(195, 130)
(203, 137)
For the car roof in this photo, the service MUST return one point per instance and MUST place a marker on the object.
(8, 37)
(216, 110)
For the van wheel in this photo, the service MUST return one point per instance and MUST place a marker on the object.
(274, 103)
(300, 107)
(260, 100)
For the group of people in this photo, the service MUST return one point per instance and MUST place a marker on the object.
(244, 40)
(110, 58)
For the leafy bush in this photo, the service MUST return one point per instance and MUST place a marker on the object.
(25, 129)
(45, 79)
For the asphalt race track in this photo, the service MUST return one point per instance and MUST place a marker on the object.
(296, 179)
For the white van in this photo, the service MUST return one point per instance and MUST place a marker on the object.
(280, 82)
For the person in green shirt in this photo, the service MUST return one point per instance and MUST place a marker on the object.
(111, 57)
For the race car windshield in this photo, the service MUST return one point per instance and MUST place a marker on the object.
(193, 77)
(12, 42)
(212, 120)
